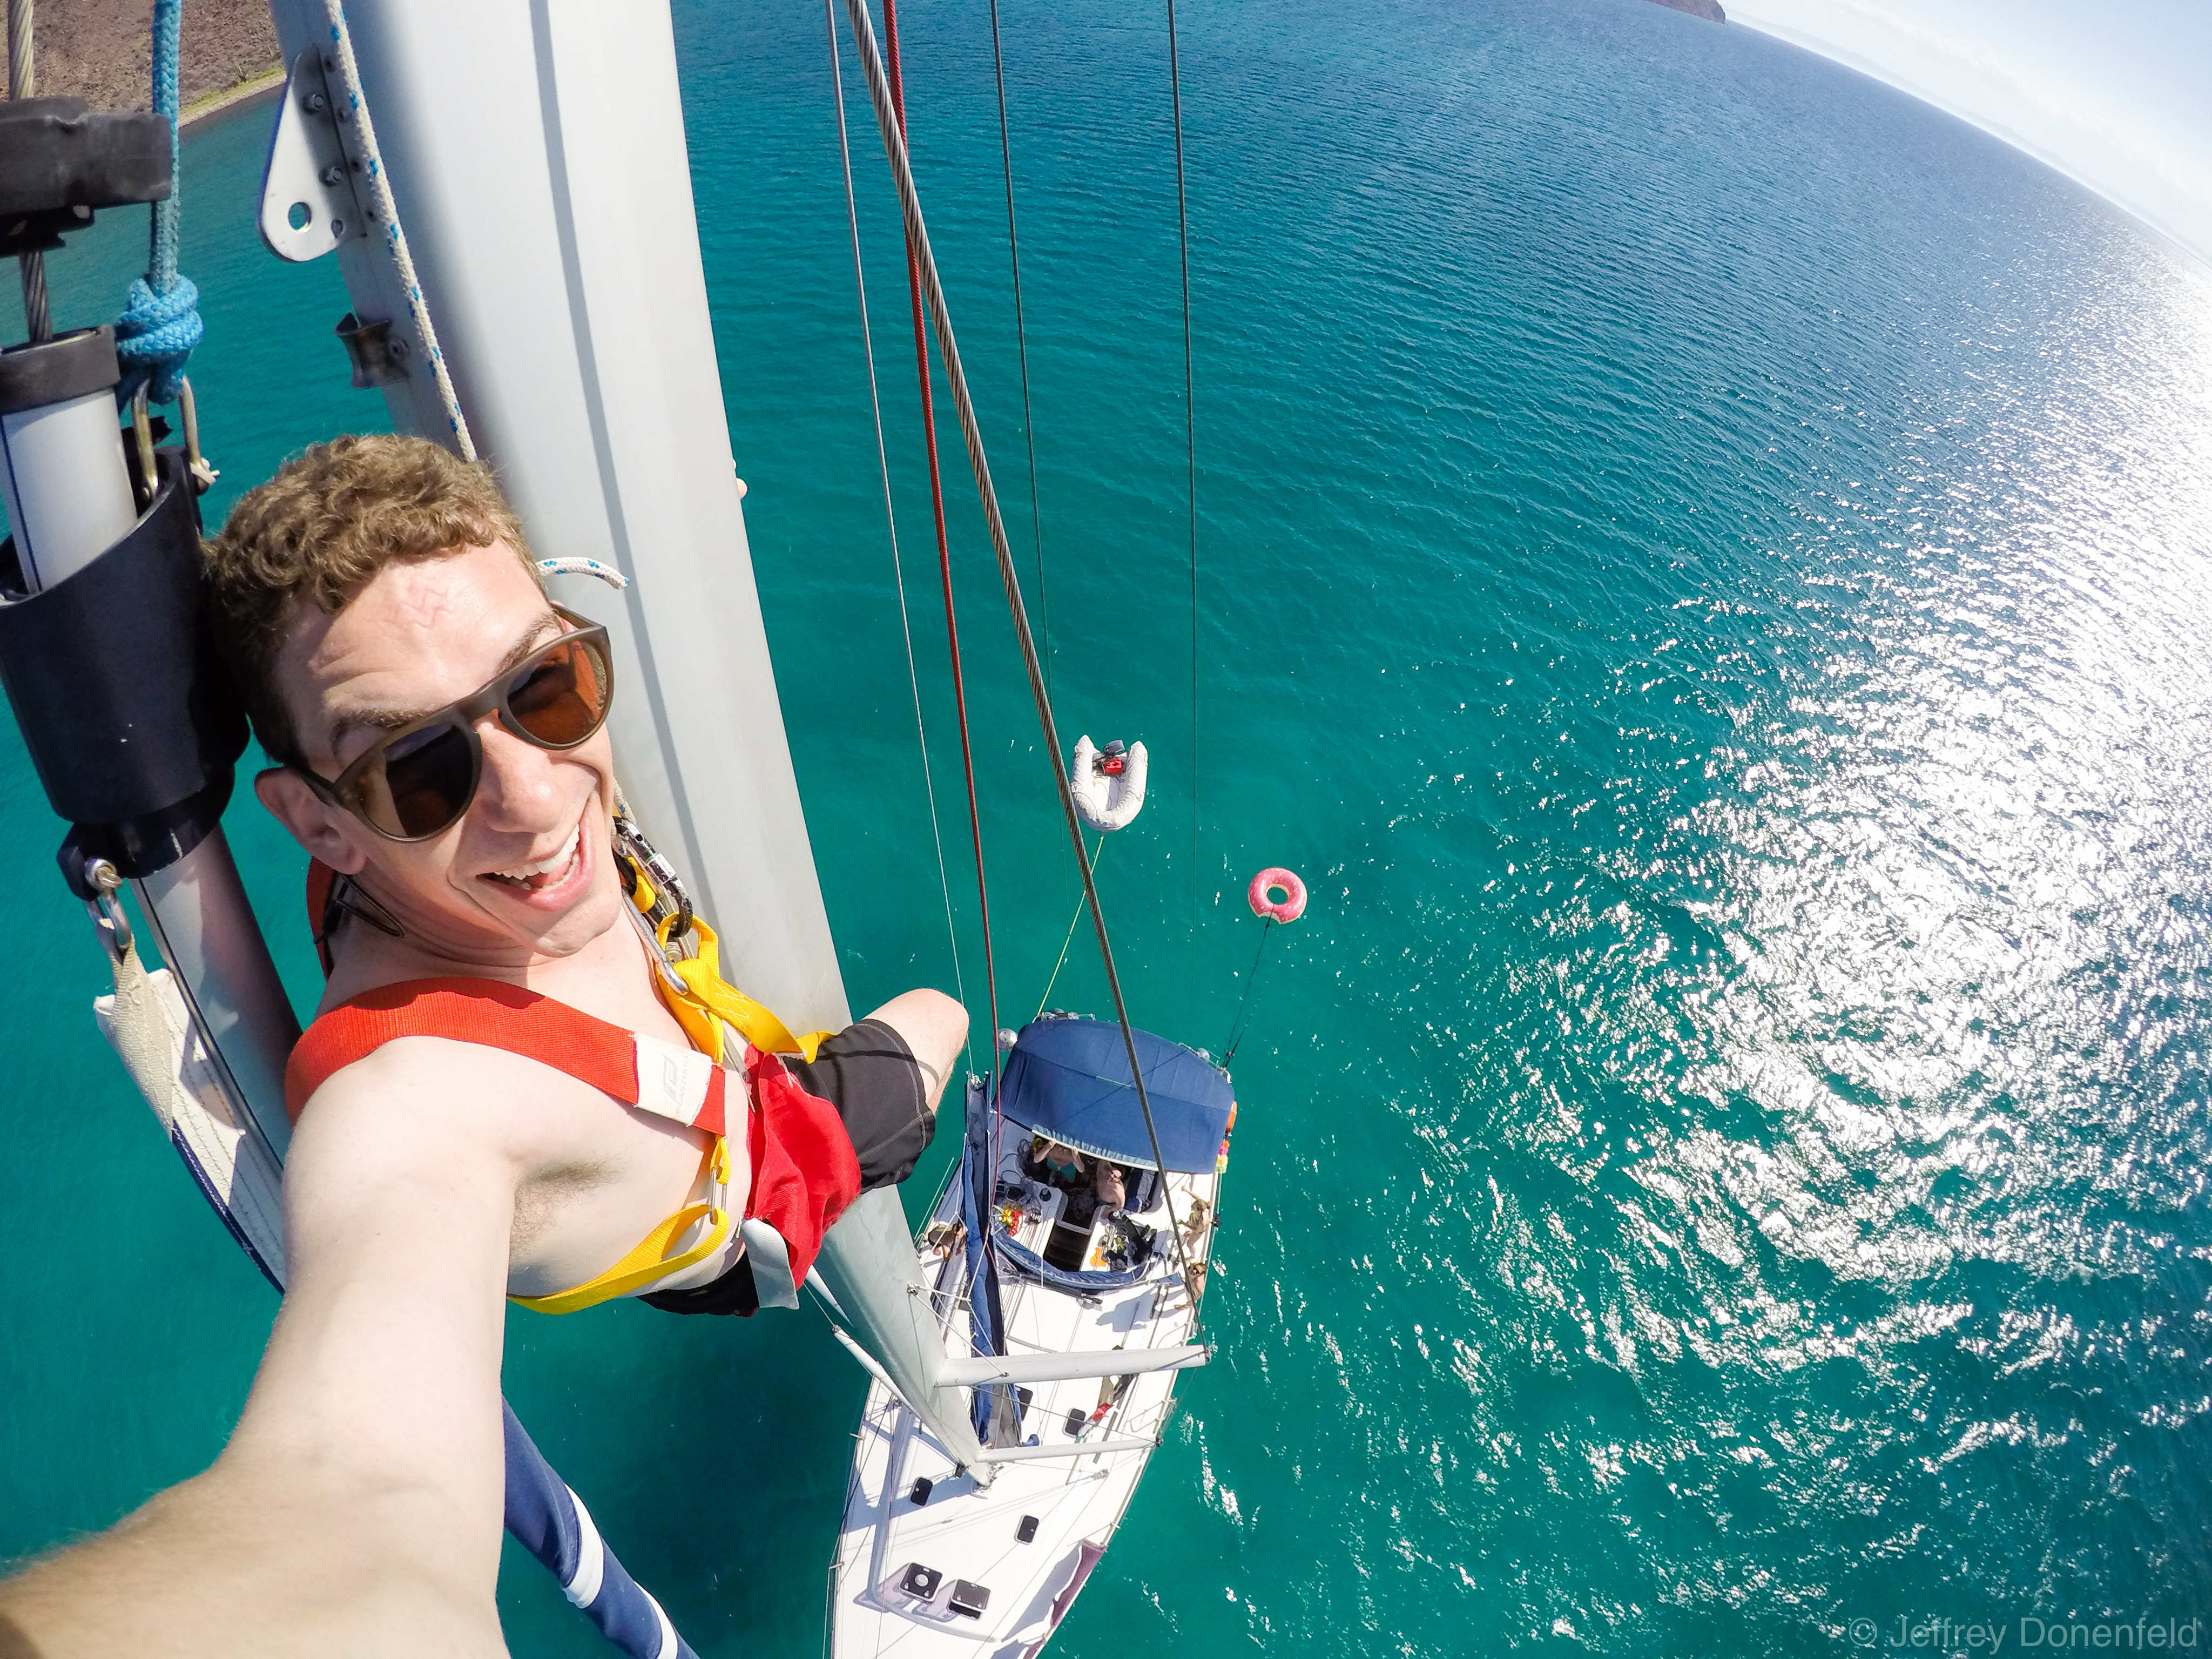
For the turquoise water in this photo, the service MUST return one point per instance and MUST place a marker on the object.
(1703, 569)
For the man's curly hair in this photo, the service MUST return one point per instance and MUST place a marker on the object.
(320, 530)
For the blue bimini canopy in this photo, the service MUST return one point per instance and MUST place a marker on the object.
(1069, 1079)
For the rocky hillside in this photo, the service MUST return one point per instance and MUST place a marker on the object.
(101, 51)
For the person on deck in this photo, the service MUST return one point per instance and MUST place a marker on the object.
(439, 730)
(1055, 1165)
(1088, 1181)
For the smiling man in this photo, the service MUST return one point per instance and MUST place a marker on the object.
(516, 1085)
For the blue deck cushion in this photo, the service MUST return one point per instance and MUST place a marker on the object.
(1069, 1079)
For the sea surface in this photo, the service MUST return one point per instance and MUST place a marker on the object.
(1702, 564)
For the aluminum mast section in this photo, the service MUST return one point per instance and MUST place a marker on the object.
(535, 154)
(873, 1290)
(535, 150)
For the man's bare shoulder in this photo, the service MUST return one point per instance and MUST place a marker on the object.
(419, 1101)
(580, 1176)
(419, 1114)
(444, 1090)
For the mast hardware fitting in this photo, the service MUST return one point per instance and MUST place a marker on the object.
(378, 355)
(107, 913)
(130, 718)
(308, 204)
(56, 371)
(59, 160)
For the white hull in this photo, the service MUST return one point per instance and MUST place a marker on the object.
(970, 1533)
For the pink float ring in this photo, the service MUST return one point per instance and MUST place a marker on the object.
(1290, 907)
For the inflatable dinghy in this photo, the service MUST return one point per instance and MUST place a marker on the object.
(1109, 784)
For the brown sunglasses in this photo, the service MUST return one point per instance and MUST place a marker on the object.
(416, 781)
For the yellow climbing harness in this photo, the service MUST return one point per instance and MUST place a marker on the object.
(648, 1260)
(711, 1001)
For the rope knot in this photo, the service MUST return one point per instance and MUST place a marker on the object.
(154, 336)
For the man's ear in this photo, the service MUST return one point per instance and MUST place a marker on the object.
(327, 832)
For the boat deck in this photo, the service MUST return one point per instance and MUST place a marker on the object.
(1028, 1539)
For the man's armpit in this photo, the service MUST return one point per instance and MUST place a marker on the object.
(539, 1200)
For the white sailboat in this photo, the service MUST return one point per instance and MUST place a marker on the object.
(1024, 1365)
(1076, 1316)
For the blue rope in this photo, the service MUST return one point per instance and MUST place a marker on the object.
(168, 23)
(160, 320)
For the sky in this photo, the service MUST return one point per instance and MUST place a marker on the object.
(2115, 93)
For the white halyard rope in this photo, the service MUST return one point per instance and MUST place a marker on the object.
(395, 238)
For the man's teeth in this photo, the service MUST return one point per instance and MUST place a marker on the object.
(535, 875)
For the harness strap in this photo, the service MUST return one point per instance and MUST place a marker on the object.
(656, 1077)
(710, 1001)
(719, 1000)
(646, 1263)
(653, 1258)
(803, 1171)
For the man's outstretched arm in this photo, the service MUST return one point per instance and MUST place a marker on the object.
(356, 1509)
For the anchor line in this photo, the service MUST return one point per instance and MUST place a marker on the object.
(1236, 1027)
(925, 263)
(1073, 922)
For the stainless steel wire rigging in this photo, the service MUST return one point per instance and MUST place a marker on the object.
(1189, 428)
(1022, 342)
(887, 122)
(890, 514)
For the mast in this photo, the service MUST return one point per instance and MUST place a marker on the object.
(537, 157)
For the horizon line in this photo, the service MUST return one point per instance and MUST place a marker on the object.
(2172, 236)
